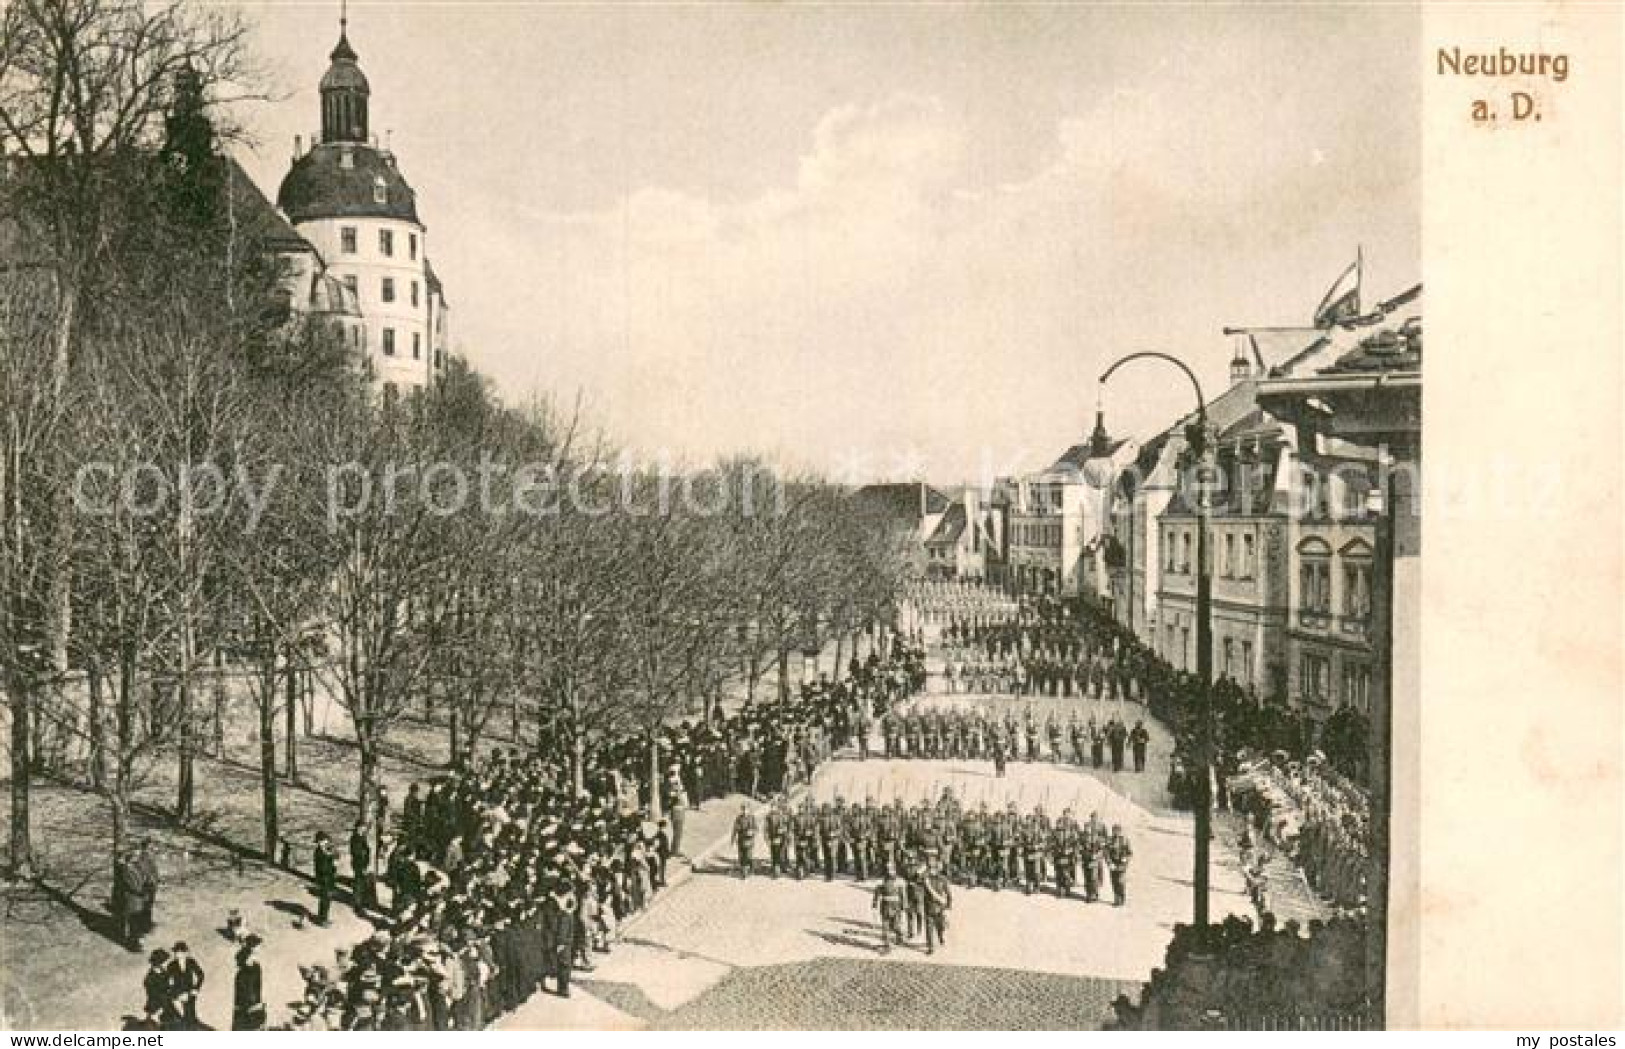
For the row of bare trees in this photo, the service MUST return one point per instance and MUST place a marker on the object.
(194, 476)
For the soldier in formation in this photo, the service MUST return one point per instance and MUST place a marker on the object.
(970, 846)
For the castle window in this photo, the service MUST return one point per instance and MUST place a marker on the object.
(412, 246)
(355, 290)
(417, 346)
(414, 293)
(380, 191)
(389, 342)
(347, 158)
(386, 243)
(389, 289)
(347, 239)
(439, 359)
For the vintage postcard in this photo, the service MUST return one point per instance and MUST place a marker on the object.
(877, 517)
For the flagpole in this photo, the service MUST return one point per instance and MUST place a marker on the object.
(1359, 275)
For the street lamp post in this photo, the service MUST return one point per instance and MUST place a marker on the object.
(1196, 436)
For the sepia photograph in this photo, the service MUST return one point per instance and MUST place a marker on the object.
(709, 516)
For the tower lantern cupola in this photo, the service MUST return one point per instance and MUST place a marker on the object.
(1240, 367)
(344, 95)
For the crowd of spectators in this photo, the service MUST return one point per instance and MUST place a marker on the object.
(1236, 975)
(507, 876)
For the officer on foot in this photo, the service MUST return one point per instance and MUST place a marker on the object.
(745, 840)
(888, 901)
(778, 826)
(1117, 857)
(937, 896)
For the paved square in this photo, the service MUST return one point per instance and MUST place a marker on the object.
(718, 951)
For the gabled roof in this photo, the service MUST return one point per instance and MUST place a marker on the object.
(257, 217)
(902, 499)
(950, 528)
(1074, 457)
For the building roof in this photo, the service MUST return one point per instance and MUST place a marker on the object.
(1074, 458)
(343, 180)
(1388, 350)
(344, 74)
(257, 217)
(909, 500)
(950, 528)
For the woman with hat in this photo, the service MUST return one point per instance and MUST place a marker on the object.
(248, 1005)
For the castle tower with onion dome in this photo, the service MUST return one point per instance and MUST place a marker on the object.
(348, 199)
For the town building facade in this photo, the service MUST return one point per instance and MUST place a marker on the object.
(1056, 518)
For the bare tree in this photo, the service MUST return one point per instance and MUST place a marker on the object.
(84, 89)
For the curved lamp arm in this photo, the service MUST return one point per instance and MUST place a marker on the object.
(1201, 402)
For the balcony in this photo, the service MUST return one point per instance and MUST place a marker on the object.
(1313, 619)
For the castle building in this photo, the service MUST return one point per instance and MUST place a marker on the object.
(349, 202)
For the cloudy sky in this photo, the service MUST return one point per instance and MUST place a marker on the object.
(876, 240)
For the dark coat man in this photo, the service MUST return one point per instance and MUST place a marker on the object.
(327, 876)
(1138, 740)
(560, 916)
(127, 900)
(1116, 735)
(158, 1012)
(146, 866)
(247, 997)
(361, 876)
(185, 983)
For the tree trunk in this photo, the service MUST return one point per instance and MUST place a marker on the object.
(367, 789)
(267, 698)
(784, 675)
(291, 716)
(22, 851)
(219, 704)
(654, 777)
(118, 794)
(578, 738)
(183, 781)
(98, 741)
